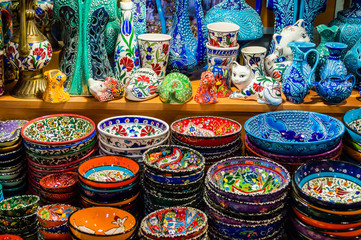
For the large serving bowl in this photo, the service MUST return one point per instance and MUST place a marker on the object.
(206, 131)
(294, 132)
(19, 206)
(98, 223)
(53, 215)
(58, 129)
(108, 172)
(154, 225)
(352, 121)
(60, 182)
(10, 132)
(248, 179)
(132, 131)
(322, 183)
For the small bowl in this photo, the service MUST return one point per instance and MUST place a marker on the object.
(12, 168)
(12, 161)
(44, 173)
(13, 182)
(124, 170)
(12, 175)
(54, 215)
(17, 222)
(102, 223)
(132, 131)
(10, 132)
(19, 206)
(114, 203)
(9, 237)
(58, 129)
(63, 228)
(351, 120)
(206, 131)
(60, 182)
(54, 236)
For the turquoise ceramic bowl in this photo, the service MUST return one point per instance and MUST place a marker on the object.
(352, 121)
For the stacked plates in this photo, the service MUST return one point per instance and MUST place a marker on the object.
(111, 181)
(292, 138)
(173, 176)
(18, 216)
(131, 136)
(175, 223)
(352, 138)
(245, 198)
(216, 138)
(12, 164)
(326, 201)
(57, 144)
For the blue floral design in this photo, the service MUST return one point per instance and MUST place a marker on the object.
(149, 49)
(149, 57)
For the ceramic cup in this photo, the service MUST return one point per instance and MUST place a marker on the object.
(223, 34)
(228, 55)
(154, 52)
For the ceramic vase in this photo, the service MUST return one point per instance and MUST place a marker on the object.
(187, 53)
(335, 89)
(205, 93)
(108, 90)
(352, 59)
(254, 58)
(308, 11)
(55, 92)
(44, 20)
(297, 79)
(142, 86)
(222, 34)
(222, 88)
(176, 88)
(333, 65)
(126, 55)
(154, 52)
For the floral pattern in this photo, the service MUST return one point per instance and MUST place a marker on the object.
(109, 175)
(44, 13)
(55, 92)
(223, 39)
(176, 88)
(140, 130)
(143, 85)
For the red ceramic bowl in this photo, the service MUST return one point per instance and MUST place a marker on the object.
(9, 237)
(48, 172)
(60, 182)
(206, 131)
(59, 197)
(54, 236)
(108, 172)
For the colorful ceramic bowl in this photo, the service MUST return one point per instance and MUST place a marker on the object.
(23, 231)
(17, 145)
(132, 131)
(113, 203)
(10, 132)
(58, 129)
(19, 206)
(12, 161)
(11, 168)
(294, 132)
(54, 236)
(13, 154)
(97, 223)
(12, 175)
(216, 235)
(354, 154)
(158, 199)
(352, 121)
(329, 184)
(44, 173)
(206, 131)
(186, 179)
(59, 197)
(249, 179)
(18, 222)
(155, 224)
(13, 182)
(53, 215)
(60, 182)
(9, 237)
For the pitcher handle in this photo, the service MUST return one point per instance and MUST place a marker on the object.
(314, 65)
(353, 79)
(161, 16)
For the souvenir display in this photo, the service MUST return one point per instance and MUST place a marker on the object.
(205, 93)
(245, 198)
(221, 74)
(176, 88)
(172, 176)
(107, 90)
(54, 91)
(143, 85)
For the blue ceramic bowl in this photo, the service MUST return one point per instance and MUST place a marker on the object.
(352, 121)
(173, 179)
(294, 132)
(329, 184)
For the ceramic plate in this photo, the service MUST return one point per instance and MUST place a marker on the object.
(10, 131)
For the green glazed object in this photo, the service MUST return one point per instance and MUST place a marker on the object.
(19, 206)
(176, 88)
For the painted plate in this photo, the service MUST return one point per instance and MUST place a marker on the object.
(10, 131)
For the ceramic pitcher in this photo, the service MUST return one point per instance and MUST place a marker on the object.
(297, 79)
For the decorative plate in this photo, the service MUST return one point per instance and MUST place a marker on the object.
(10, 131)
(58, 129)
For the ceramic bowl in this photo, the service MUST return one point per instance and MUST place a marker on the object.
(13, 182)
(206, 131)
(170, 201)
(186, 179)
(15, 191)
(11, 168)
(352, 120)
(17, 145)
(19, 206)
(113, 203)
(10, 155)
(222, 34)
(60, 182)
(59, 197)
(20, 231)
(214, 234)
(10, 132)
(9, 237)
(12, 161)
(227, 55)
(58, 129)
(294, 132)
(354, 154)
(132, 131)
(102, 223)
(54, 235)
(18, 222)
(6, 176)
(155, 224)
(53, 215)
(44, 173)
(108, 172)
(63, 228)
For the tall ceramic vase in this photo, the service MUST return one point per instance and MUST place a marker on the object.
(333, 66)
(126, 56)
(308, 11)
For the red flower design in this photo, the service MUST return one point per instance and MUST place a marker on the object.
(224, 62)
(276, 75)
(165, 48)
(11, 50)
(127, 63)
(213, 42)
(120, 130)
(147, 131)
(40, 52)
(143, 78)
(156, 67)
(50, 50)
(152, 89)
(233, 44)
(257, 87)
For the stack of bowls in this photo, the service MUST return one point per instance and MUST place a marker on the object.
(56, 144)
(186, 223)
(245, 198)
(326, 201)
(352, 138)
(59, 188)
(293, 138)
(53, 221)
(102, 223)
(12, 159)
(173, 176)
(111, 181)
(131, 136)
(216, 138)
(18, 216)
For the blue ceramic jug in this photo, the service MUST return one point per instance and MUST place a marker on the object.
(335, 89)
(298, 78)
(333, 65)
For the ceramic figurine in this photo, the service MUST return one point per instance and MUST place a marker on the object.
(222, 88)
(297, 79)
(223, 34)
(240, 13)
(333, 66)
(44, 20)
(84, 54)
(205, 93)
(126, 56)
(335, 89)
(105, 91)
(143, 85)
(154, 52)
(187, 53)
(55, 92)
(352, 59)
(264, 89)
(308, 11)
(176, 88)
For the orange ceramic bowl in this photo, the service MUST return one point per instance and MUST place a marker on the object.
(108, 172)
(9, 237)
(102, 223)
